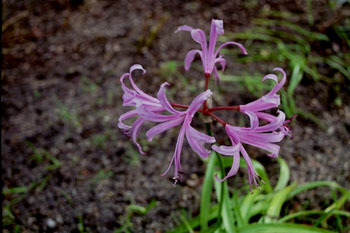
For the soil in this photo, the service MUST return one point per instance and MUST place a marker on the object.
(61, 100)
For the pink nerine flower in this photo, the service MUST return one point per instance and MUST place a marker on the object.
(268, 101)
(209, 55)
(132, 98)
(194, 137)
(262, 137)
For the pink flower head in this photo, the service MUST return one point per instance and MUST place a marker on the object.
(194, 137)
(268, 101)
(209, 55)
(271, 99)
(132, 97)
(262, 137)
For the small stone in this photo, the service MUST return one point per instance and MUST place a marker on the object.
(50, 223)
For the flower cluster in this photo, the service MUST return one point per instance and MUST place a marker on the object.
(264, 132)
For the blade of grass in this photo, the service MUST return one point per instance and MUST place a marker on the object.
(280, 227)
(284, 175)
(278, 200)
(226, 212)
(206, 192)
(312, 185)
(311, 212)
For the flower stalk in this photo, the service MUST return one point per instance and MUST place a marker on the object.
(264, 130)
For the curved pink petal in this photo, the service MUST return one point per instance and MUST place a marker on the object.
(226, 150)
(184, 28)
(252, 175)
(197, 102)
(254, 121)
(273, 125)
(265, 116)
(135, 130)
(190, 56)
(125, 116)
(164, 101)
(177, 153)
(154, 131)
(274, 77)
(130, 96)
(261, 104)
(199, 36)
(216, 75)
(244, 51)
(265, 137)
(272, 148)
(217, 28)
(195, 138)
(222, 62)
(152, 116)
(234, 169)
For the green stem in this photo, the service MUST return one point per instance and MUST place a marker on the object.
(222, 170)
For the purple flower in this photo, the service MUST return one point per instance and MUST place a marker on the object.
(268, 101)
(262, 137)
(133, 97)
(271, 99)
(209, 55)
(175, 118)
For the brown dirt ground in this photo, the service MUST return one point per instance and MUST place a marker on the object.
(61, 96)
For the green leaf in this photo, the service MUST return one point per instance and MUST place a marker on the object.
(247, 204)
(15, 190)
(206, 192)
(284, 175)
(313, 185)
(280, 228)
(195, 222)
(262, 173)
(312, 212)
(278, 200)
(296, 77)
(226, 212)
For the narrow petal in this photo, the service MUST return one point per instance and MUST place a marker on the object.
(154, 131)
(130, 96)
(189, 58)
(244, 51)
(274, 125)
(177, 153)
(272, 148)
(216, 75)
(274, 77)
(219, 26)
(195, 138)
(197, 102)
(137, 67)
(254, 121)
(164, 101)
(136, 128)
(234, 169)
(184, 28)
(125, 116)
(152, 116)
(216, 29)
(252, 175)
(265, 116)
(199, 36)
(226, 150)
(222, 62)
(265, 137)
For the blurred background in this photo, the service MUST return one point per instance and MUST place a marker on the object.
(66, 167)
